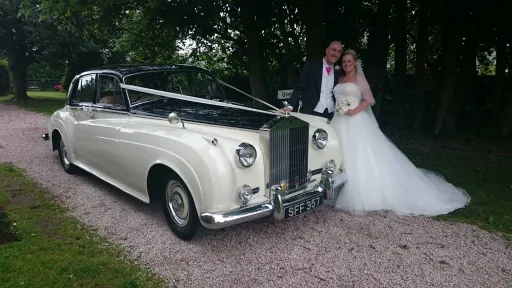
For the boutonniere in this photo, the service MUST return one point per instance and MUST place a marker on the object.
(337, 67)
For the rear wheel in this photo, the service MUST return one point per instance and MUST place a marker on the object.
(64, 160)
(179, 208)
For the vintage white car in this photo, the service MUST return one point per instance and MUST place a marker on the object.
(169, 133)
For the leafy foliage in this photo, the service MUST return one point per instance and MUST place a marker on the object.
(83, 61)
(262, 42)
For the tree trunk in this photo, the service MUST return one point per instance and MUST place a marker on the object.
(339, 14)
(252, 34)
(353, 9)
(17, 59)
(380, 92)
(507, 116)
(451, 43)
(466, 88)
(400, 39)
(272, 91)
(286, 67)
(507, 121)
(332, 13)
(420, 69)
(378, 51)
(312, 12)
(378, 41)
(466, 85)
(499, 79)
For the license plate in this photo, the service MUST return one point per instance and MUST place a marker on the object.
(302, 207)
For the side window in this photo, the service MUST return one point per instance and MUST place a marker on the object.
(73, 92)
(110, 92)
(87, 88)
(84, 90)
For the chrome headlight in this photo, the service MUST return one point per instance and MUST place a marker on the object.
(245, 155)
(320, 138)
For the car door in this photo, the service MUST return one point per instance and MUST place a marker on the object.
(108, 113)
(80, 105)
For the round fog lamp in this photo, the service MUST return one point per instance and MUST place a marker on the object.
(245, 194)
(331, 165)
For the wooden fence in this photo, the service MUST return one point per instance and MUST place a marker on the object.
(42, 84)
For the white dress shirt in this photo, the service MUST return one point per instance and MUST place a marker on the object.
(325, 100)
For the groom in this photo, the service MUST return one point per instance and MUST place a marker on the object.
(317, 79)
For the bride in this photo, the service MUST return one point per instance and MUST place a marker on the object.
(379, 175)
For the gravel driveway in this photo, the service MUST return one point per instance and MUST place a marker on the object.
(320, 249)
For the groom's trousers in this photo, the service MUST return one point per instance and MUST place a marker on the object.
(325, 114)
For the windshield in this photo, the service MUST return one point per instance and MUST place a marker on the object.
(185, 82)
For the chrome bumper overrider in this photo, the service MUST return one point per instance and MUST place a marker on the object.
(273, 207)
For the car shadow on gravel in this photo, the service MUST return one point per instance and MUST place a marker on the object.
(116, 192)
(265, 227)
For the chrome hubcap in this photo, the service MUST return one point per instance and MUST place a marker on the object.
(64, 152)
(177, 203)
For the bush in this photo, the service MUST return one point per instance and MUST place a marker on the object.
(5, 78)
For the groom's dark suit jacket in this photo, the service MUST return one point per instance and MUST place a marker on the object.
(308, 88)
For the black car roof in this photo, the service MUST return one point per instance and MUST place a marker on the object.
(127, 69)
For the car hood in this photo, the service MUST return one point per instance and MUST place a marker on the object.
(207, 114)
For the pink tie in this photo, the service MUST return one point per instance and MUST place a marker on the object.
(328, 70)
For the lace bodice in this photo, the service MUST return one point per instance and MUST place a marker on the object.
(349, 91)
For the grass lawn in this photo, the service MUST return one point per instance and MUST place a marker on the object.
(45, 102)
(483, 169)
(51, 248)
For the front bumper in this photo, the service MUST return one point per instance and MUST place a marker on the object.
(273, 207)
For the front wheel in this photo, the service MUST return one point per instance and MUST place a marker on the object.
(179, 209)
(64, 160)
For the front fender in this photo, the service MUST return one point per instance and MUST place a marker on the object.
(58, 122)
(210, 151)
(207, 167)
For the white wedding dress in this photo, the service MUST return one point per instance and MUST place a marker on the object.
(379, 175)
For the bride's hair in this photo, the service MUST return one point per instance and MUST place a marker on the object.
(354, 56)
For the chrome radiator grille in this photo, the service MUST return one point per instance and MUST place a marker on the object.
(289, 144)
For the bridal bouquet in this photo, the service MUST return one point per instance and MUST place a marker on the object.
(343, 105)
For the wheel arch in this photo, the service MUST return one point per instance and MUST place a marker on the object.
(56, 136)
(154, 182)
(59, 131)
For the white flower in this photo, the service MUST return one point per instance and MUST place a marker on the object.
(342, 106)
(337, 67)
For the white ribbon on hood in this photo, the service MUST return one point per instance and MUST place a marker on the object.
(200, 100)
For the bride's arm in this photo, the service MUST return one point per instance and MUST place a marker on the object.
(363, 105)
(367, 95)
